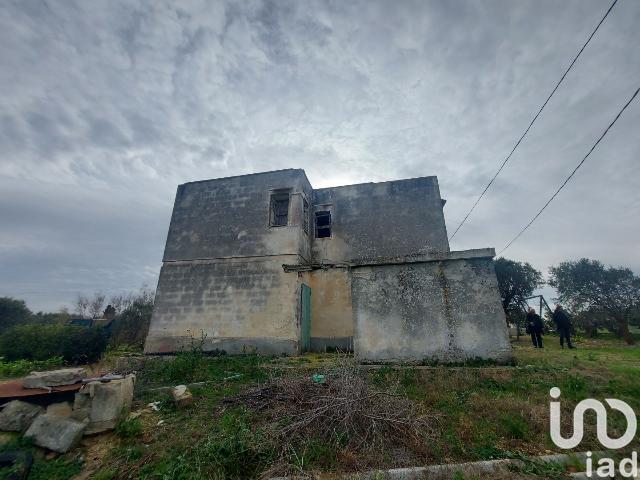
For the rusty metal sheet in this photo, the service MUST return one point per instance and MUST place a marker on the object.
(15, 389)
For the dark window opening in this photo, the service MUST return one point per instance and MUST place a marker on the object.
(279, 215)
(323, 224)
(305, 216)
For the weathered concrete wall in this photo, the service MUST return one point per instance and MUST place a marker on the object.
(222, 272)
(229, 217)
(370, 220)
(447, 310)
(242, 305)
(331, 313)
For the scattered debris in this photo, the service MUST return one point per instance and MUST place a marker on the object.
(14, 389)
(55, 433)
(160, 422)
(318, 378)
(103, 404)
(155, 406)
(182, 397)
(99, 404)
(134, 415)
(16, 416)
(235, 376)
(54, 378)
(103, 378)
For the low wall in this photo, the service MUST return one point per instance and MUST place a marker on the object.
(447, 309)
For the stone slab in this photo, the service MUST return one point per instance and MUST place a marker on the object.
(54, 378)
(55, 433)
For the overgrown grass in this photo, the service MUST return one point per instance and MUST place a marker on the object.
(483, 412)
(193, 365)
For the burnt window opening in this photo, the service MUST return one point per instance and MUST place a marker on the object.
(279, 210)
(305, 216)
(323, 224)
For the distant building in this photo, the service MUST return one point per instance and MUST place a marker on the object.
(265, 263)
(81, 322)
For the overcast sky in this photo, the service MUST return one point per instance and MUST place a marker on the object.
(106, 106)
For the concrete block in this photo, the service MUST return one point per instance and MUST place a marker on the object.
(182, 397)
(55, 433)
(53, 378)
(16, 416)
(103, 404)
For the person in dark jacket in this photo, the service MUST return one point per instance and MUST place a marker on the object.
(535, 327)
(561, 319)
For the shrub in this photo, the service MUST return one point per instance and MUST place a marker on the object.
(76, 345)
(515, 425)
(129, 428)
(187, 366)
(132, 325)
(13, 312)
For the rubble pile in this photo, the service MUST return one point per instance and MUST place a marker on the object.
(97, 406)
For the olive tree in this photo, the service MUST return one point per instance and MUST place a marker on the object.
(588, 286)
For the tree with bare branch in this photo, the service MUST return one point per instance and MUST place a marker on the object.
(96, 305)
(82, 304)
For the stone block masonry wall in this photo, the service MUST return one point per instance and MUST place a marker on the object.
(242, 305)
(372, 220)
(447, 310)
(229, 217)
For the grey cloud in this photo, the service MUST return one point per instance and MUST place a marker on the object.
(103, 133)
(107, 106)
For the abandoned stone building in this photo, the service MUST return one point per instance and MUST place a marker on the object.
(266, 263)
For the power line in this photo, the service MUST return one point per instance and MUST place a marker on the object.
(572, 173)
(534, 119)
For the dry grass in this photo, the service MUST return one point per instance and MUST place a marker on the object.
(344, 414)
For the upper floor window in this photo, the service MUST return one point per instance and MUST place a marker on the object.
(323, 224)
(279, 209)
(305, 215)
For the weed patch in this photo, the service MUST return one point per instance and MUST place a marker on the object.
(20, 368)
(129, 428)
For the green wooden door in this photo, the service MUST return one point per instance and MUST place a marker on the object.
(305, 324)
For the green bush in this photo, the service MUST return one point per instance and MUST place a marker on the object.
(76, 345)
(13, 312)
(129, 428)
(132, 325)
(515, 426)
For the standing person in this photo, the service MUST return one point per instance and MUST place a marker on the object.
(563, 323)
(535, 327)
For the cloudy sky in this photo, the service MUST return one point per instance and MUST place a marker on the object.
(106, 106)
